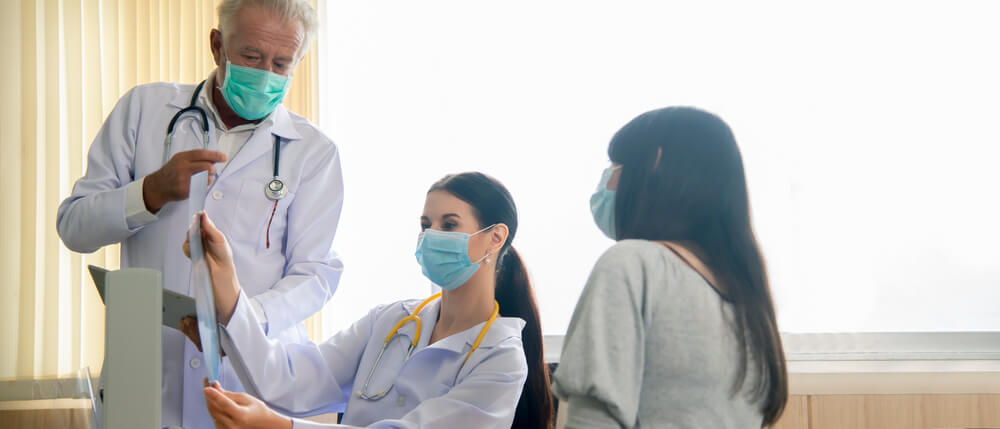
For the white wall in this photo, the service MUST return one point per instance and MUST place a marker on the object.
(868, 131)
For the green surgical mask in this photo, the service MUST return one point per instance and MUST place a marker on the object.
(253, 93)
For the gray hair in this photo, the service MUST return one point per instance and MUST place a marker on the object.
(288, 10)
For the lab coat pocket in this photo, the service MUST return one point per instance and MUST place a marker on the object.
(258, 221)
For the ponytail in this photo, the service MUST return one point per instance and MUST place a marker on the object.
(517, 299)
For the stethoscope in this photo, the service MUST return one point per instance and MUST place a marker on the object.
(274, 190)
(415, 317)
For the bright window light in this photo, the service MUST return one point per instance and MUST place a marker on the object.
(868, 129)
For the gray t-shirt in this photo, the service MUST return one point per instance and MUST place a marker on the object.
(650, 345)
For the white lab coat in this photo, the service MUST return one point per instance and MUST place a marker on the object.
(433, 389)
(287, 282)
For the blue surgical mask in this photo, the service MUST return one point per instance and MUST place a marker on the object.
(444, 256)
(602, 204)
(253, 93)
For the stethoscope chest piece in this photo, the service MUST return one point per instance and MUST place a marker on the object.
(275, 189)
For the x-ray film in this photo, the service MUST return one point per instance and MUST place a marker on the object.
(201, 282)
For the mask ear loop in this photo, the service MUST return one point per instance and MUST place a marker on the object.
(486, 257)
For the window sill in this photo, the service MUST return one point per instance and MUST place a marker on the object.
(883, 363)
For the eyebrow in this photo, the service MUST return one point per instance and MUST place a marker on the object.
(446, 215)
(261, 53)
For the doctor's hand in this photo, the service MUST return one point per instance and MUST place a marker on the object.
(239, 410)
(171, 182)
(219, 257)
(189, 327)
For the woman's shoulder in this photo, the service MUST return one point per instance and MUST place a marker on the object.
(631, 252)
(638, 262)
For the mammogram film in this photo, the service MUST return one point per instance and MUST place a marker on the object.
(201, 282)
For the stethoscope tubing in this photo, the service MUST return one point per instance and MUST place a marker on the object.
(274, 190)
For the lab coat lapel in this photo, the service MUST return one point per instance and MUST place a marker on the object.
(260, 144)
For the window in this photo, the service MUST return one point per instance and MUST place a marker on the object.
(868, 131)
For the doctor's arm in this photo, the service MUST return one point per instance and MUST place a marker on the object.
(109, 204)
(485, 398)
(94, 214)
(294, 378)
(312, 268)
(297, 379)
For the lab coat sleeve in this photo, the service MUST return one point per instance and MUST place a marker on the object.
(601, 369)
(295, 378)
(486, 398)
(313, 269)
(94, 215)
(136, 213)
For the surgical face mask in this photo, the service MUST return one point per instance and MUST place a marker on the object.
(444, 257)
(602, 204)
(253, 93)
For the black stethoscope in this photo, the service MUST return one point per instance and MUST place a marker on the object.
(274, 190)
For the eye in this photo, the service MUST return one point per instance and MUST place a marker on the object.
(280, 66)
(251, 58)
(448, 226)
(424, 226)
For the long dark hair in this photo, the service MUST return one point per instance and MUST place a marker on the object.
(682, 180)
(492, 204)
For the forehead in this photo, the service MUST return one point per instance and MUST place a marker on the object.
(439, 203)
(258, 27)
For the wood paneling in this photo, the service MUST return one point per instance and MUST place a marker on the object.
(44, 419)
(893, 412)
(950, 411)
(837, 412)
(796, 415)
(989, 411)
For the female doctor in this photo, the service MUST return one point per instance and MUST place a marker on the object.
(458, 360)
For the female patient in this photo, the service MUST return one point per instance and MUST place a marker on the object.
(675, 327)
(459, 361)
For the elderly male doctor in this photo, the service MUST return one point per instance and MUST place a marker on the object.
(135, 190)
